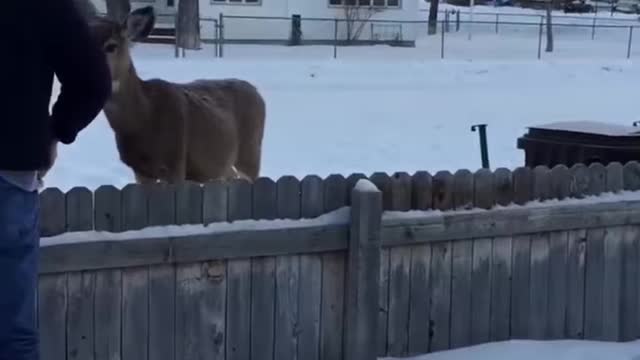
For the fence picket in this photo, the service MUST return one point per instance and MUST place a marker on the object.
(422, 197)
(503, 186)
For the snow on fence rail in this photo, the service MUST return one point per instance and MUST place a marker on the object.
(352, 280)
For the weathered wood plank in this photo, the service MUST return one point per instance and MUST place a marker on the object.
(508, 222)
(541, 183)
(500, 289)
(615, 177)
(597, 179)
(399, 270)
(462, 260)
(107, 312)
(612, 283)
(630, 305)
(631, 176)
(263, 285)
(331, 195)
(310, 290)
(238, 345)
(383, 182)
(79, 207)
(441, 263)
(557, 285)
(215, 198)
(189, 203)
(288, 279)
(522, 185)
(539, 294)
(503, 186)
(162, 312)
(162, 205)
(483, 189)
(463, 190)
(351, 181)
(594, 284)
(443, 190)
(362, 274)
(107, 207)
(422, 196)
(134, 207)
(135, 314)
(419, 300)
(201, 303)
(520, 287)
(52, 212)
(108, 291)
(52, 315)
(579, 181)
(576, 248)
(399, 291)
(560, 182)
(481, 291)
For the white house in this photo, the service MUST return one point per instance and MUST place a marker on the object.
(272, 18)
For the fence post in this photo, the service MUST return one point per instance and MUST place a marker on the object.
(335, 38)
(593, 28)
(442, 42)
(221, 33)
(540, 38)
(363, 272)
(630, 40)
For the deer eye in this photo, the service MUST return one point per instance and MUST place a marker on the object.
(110, 48)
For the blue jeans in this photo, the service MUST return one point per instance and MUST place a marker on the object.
(19, 250)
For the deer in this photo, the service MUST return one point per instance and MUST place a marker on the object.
(203, 130)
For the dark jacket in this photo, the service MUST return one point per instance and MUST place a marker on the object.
(42, 38)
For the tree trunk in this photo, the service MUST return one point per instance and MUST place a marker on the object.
(433, 17)
(549, 27)
(86, 8)
(118, 9)
(188, 24)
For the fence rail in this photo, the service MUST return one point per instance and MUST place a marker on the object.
(354, 283)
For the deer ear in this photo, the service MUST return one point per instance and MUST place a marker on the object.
(140, 23)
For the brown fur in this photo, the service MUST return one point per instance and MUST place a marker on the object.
(197, 131)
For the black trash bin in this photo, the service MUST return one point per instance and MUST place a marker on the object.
(576, 142)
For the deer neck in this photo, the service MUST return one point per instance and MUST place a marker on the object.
(128, 107)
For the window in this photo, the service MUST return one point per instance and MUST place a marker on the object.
(365, 3)
(236, 2)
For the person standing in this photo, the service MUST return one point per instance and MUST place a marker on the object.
(41, 38)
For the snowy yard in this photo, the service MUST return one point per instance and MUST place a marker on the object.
(538, 350)
(376, 112)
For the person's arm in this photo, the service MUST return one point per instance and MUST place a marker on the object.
(79, 65)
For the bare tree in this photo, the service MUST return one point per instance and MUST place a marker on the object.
(549, 47)
(86, 7)
(433, 17)
(188, 24)
(357, 14)
(118, 9)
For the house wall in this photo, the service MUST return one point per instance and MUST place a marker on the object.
(279, 29)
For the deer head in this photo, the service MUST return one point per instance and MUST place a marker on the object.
(116, 38)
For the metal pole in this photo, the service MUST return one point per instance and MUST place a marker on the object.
(593, 28)
(540, 38)
(497, 22)
(335, 38)
(484, 153)
(457, 20)
(175, 31)
(630, 40)
(442, 42)
(217, 38)
(221, 33)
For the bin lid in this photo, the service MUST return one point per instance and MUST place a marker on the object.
(590, 127)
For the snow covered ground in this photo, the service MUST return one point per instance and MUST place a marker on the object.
(390, 109)
(537, 350)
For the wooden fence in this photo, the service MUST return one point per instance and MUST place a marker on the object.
(378, 282)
